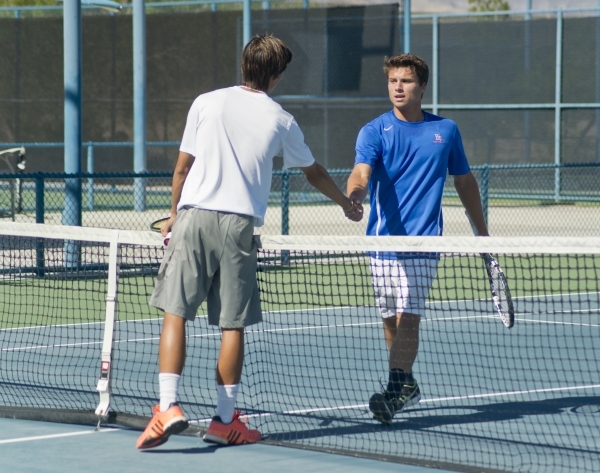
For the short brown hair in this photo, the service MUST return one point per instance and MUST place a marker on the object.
(418, 66)
(263, 58)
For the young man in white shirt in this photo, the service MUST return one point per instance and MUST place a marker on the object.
(220, 192)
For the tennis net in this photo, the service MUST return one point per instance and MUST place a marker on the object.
(79, 341)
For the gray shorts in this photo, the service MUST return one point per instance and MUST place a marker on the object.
(212, 256)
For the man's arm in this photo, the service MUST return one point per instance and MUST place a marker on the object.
(468, 191)
(182, 168)
(358, 182)
(319, 178)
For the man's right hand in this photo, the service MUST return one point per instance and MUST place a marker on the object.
(167, 226)
(355, 212)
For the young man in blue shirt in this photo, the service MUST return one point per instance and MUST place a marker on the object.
(402, 158)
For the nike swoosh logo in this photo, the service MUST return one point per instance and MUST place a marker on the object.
(388, 128)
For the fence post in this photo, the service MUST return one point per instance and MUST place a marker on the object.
(285, 211)
(435, 49)
(90, 182)
(557, 105)
(139, 104)
(285, 202)
(485, 190)
(407, 20)
(39, 218)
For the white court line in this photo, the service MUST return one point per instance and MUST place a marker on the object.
(512, 393)
(546, 296)
(81, 324)
(204, 335)
(557, 323)
(314, 327)
(434, 400)
(54, 436)
(293, 329)
(322, 309)
(63, 345)
(60, 345)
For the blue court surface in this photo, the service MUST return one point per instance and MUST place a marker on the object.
(37, 447)
(524, 399)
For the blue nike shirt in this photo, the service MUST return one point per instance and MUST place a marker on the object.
(409, 162)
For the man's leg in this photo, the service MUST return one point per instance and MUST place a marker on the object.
(233, 304)
(405, 341)
(168, 419)
(171, 358)
(400, 286)
(229, 372)
(403, 354)
(226, 427)
(231, 357)
(402, 339)
(172, 349)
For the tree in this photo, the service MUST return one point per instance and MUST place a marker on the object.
(489, 5)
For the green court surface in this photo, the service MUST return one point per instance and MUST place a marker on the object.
(81, 298)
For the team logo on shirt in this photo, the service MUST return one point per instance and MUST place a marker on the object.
(438, 138)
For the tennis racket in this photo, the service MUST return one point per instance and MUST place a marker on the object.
(158, 225)
(498, 285)
(500, 292)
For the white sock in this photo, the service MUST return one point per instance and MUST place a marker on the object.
(226, 396)
(168, 385)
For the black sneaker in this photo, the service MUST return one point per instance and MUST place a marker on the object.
(386, 405)
(411, 393)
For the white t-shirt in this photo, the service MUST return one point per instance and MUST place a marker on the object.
(234, 134)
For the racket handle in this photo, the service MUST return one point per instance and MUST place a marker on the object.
(167, 239)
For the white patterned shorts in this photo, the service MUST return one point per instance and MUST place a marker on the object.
(402, 286)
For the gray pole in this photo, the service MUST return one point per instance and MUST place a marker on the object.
(73, 124)
(90, 181)
(557, 103)
(72, 106)
(598, 82)
(435, 63)
(139, 103)
(407, 26)
(527, 114)
(247, 22)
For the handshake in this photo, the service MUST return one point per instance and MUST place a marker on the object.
(355, 211)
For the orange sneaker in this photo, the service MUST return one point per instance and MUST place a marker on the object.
(162, 426)
(234, 433)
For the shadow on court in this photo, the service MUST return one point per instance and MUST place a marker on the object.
(428, 419)
(189, 451)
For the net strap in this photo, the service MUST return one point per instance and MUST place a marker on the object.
(103, 386)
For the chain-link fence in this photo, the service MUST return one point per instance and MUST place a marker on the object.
(524, 90)
(518, 200)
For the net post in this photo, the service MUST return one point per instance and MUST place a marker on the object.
(103, 386)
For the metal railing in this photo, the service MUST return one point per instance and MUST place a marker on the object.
(105, 195)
